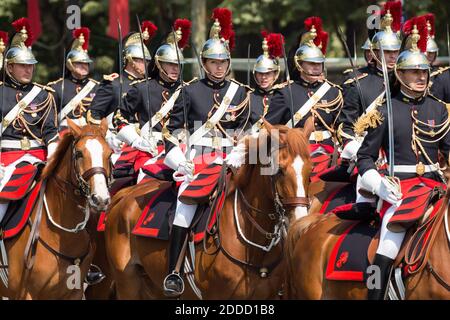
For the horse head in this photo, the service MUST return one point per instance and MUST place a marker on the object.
(279, 156)
(84, 155)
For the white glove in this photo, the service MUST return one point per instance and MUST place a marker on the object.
(129, 135)
(185, 171)
(236, 158)
(350, 150)
(184, 168)
(372, 181)
(51, 148)
(114, 143)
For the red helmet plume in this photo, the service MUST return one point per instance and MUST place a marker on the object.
(4, 37)
(21, 23)
(430, 18)
(275, 42)
(151, 29)
(224, 16)
(421, 24)
(395, 8)
(86, 35)
(185, 26)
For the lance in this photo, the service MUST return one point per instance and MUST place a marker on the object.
(149, 111)
(448, 44)
(119, 28)
(3, 101)
(288, 79)
(200, 69)
(61, 102)
(248, 64)
(180, 79)
(355, 76)
(389, 112)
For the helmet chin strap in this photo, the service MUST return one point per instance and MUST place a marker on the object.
(130, 60)
(13, 79)
(423, 92)
(272, 83)
(71, 68)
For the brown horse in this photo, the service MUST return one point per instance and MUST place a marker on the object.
(75, 179)
(232, 267)
(312, 238)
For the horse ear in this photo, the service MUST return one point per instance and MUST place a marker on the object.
(104, 126)
(308, 128)
(74, 128)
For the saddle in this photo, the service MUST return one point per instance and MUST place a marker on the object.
(361, 239)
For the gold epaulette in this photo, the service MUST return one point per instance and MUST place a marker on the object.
(139, 81)
(334, 84)
(50, 89)
(447, 105)
(359, 77)
(110, 77)
(346, 71)
(439, 71)
(243, 85)
(54, 82)
(94, 81)
(282, 85)
(371, 119)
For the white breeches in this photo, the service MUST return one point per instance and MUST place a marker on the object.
(390, 242)
(184, 212)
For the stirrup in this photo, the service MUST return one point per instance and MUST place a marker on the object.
(171, 292)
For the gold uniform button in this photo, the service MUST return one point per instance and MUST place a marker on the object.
(415, 112)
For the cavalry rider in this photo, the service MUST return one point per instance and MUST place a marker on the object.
(153, 98)
(363, 92)
(74, 92)
(314, 98)
(265, 72)
(440, 77)
(217, 112)
(348, 73)
(420, 131)
(107, 97)
(29, 130)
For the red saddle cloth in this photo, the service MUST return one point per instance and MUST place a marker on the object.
(21, 180)
(348, 259)
(19, 212)
(157, 217)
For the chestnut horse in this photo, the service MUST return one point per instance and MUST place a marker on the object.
(309, 244)
(74, 180)
(236, 264)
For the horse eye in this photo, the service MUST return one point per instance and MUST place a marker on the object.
(78, 155)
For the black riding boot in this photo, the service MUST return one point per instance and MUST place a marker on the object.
(173, 283)
(385, 265)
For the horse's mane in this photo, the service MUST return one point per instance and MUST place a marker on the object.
(63, 146)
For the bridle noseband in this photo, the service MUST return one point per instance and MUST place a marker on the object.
(82, 178)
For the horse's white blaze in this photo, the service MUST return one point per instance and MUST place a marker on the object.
(298, 167)
(100, 186)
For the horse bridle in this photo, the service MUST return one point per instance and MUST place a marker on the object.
(82, 178)
(282, 203)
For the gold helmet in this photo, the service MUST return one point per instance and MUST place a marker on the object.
(79, 48)
(133, 48)
(272, 50)
(431, 43)
(388, 36)
(413, 57)
(176, 41)
(221, 37)
(3, 45)
(366, 45)
(313, 43)
(20, 49)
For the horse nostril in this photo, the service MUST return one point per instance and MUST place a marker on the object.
(95, 199)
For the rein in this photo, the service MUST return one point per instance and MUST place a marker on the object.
(279, 215)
